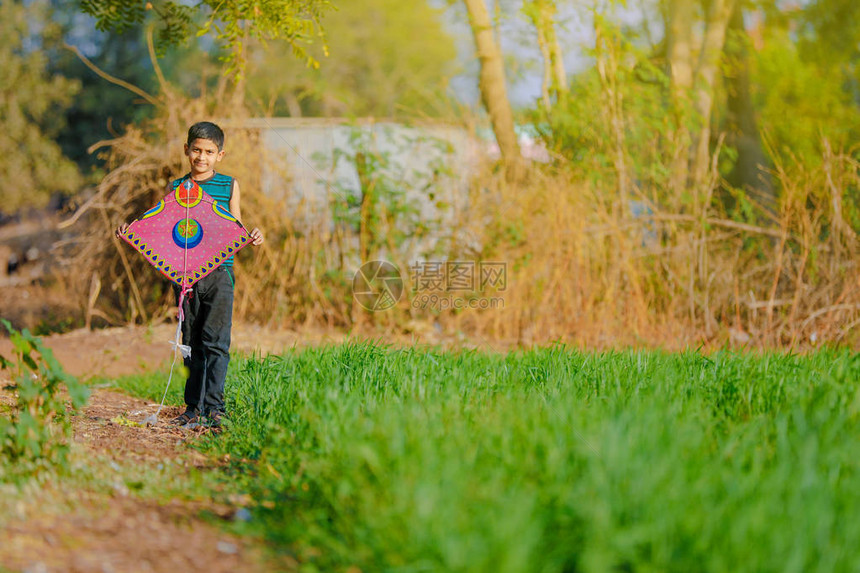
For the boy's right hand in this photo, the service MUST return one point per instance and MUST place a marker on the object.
(121, 230)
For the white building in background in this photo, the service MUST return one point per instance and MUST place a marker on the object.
(310, 169)
(311, 161)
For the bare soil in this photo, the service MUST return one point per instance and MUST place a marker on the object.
(122, 351)
(93, 530)
(118, 531)
(88, 529)
(124, 534)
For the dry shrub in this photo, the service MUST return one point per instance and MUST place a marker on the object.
(118, 286)
(294, 278)
(583, 269)
(578, 270)
(279, 282)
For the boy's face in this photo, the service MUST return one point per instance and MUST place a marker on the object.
(202, 155)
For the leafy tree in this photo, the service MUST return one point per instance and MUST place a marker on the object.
(32, 166)
(375, 64)
(830, 32)
(804, 74)
(541, 13)
(230, 21)
(612, 126)
(100, 109)
(801, 101)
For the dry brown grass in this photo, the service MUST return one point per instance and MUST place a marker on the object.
(581, 268)
(584, 271)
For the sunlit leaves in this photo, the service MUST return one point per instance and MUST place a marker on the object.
(31, 163)
(231, 21)
(35, 437)
(378, 65)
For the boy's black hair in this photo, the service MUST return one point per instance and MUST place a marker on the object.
(206, 130)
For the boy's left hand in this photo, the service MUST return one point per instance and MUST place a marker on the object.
(256, 237)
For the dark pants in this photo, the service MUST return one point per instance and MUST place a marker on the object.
(208, 320)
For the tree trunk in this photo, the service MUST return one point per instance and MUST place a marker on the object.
(680, 55)
(542, 15)
(294, 106)
(494, 93)
(556, 58)
(546, 84)
(717, 23)
(743, 129)
(606, 58)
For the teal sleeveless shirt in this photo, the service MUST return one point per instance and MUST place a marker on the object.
(220, 188)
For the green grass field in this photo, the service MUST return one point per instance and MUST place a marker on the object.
(548, 460)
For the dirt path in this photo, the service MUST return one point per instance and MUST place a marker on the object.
(100, 524)
(114, 522)
(114, 352)
(111, 520)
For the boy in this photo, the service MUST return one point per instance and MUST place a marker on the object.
(209, 308)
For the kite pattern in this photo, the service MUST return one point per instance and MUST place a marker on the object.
(187, 235)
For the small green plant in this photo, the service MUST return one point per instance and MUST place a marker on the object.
(35, 436)
(396, 204)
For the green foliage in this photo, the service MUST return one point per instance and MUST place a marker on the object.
(32, 167)
(374, 64)
(549, 460)
(578, 126)
(830, 32)
(293, 21)
(394, 207)
(802, 101)
(35, 437)
(100, 109)
(804, 83)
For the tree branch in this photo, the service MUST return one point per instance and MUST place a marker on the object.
(110, 78)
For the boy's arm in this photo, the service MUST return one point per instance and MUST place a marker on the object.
(236, 210)
(236, 201)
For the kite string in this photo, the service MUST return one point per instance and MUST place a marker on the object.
(176, 346)
(184, 291)
(185, 288)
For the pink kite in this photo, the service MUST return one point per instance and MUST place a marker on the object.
(187, 234)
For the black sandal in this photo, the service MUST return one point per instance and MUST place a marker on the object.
(187, 417)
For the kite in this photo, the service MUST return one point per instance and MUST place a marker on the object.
(186, 236)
